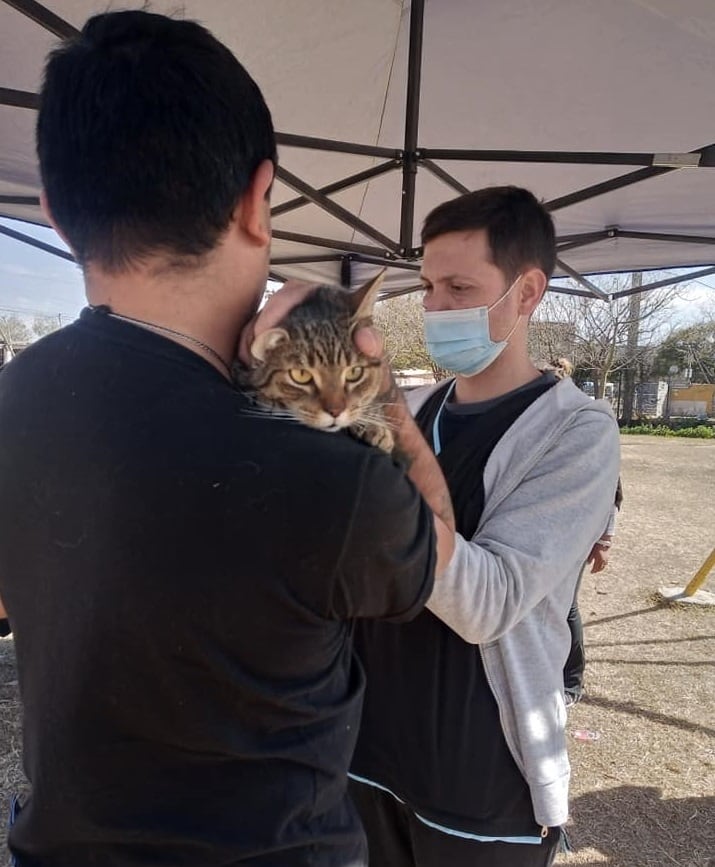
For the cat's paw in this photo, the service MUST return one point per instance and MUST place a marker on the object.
(379, 436)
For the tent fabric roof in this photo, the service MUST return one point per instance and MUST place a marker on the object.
(564, 97)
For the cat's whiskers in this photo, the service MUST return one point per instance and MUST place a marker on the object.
(311, 365)
(368, 419)
(258, 411)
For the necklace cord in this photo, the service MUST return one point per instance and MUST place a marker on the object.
(165, 330)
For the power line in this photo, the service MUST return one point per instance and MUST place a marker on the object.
(44, 314)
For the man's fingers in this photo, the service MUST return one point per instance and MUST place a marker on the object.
(245, 342)
(369, 341)
(274, 311)
(279, 305)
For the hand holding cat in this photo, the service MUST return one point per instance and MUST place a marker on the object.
(292, 293)
(274, 310)
(421, 464)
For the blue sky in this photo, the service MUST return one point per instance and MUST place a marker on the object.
(36, 283)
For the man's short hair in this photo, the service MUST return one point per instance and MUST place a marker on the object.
(148, 134)
(519, 229)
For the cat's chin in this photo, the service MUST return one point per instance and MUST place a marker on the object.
(330, 428)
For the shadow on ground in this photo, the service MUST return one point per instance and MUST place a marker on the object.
(651, 832)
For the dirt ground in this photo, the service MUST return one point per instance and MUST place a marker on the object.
(643, 794)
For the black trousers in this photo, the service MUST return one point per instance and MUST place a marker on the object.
(576, 662)
(396, 838)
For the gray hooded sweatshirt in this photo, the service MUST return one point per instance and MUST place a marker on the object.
(549, 488)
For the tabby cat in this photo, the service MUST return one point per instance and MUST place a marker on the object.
(309, 368)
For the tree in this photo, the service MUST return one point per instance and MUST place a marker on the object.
(603, 332)
(400, 320)
(691, 348)
(43, 325)
(550, 339)
(14, 332)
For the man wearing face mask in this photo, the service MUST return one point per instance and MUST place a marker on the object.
(461, 758)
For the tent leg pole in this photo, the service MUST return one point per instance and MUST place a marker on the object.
(412, 117)
(346, 272)
(697, 581)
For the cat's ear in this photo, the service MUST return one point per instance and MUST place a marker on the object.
(364, 298)
(266, 341)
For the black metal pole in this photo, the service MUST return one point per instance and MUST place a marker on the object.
(288, 139)
(669, 281)
(19, 98)
(303, 260)
(444, 176)
(586, 237)
(346, 272)
(412, 119)
(579, 278)
(606, 158)
(31, 201)
(374, 260)
(332, 244)
(334, 209)
(668, 238)
(33, 242)
(582, 195)
(42, 16)
(342, 184)
(567, 290)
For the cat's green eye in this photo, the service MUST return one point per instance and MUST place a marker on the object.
(354, 374)
(300, 375)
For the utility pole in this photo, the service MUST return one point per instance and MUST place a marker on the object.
(634, 315)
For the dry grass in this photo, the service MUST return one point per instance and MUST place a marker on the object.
(11, 776)
(643, 794)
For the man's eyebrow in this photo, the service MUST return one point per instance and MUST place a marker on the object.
(448, 278)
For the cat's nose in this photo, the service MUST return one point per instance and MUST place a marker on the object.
(334, 408)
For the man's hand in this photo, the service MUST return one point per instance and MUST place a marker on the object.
(598, 558)
(274, 311)
(424, 469)
(279, 305)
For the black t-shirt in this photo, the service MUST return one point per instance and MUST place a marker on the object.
(430, 729)
(182, 575)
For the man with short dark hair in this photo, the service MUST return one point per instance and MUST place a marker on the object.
(461, 758)
(180, 573)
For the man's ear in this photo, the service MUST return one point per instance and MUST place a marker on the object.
(266, 341)
(45, 205)
(252, 212)
(363, 299)
(531, 291)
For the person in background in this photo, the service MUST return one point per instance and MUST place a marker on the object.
(598, 558)
(461, 757)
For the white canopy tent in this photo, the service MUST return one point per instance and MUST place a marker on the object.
(604, 108)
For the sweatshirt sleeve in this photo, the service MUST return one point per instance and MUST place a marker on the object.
(611, 526)
(538, 536)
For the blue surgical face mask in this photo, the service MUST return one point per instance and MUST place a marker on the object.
(459, 340)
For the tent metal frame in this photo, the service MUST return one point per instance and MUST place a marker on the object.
(401, 252)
